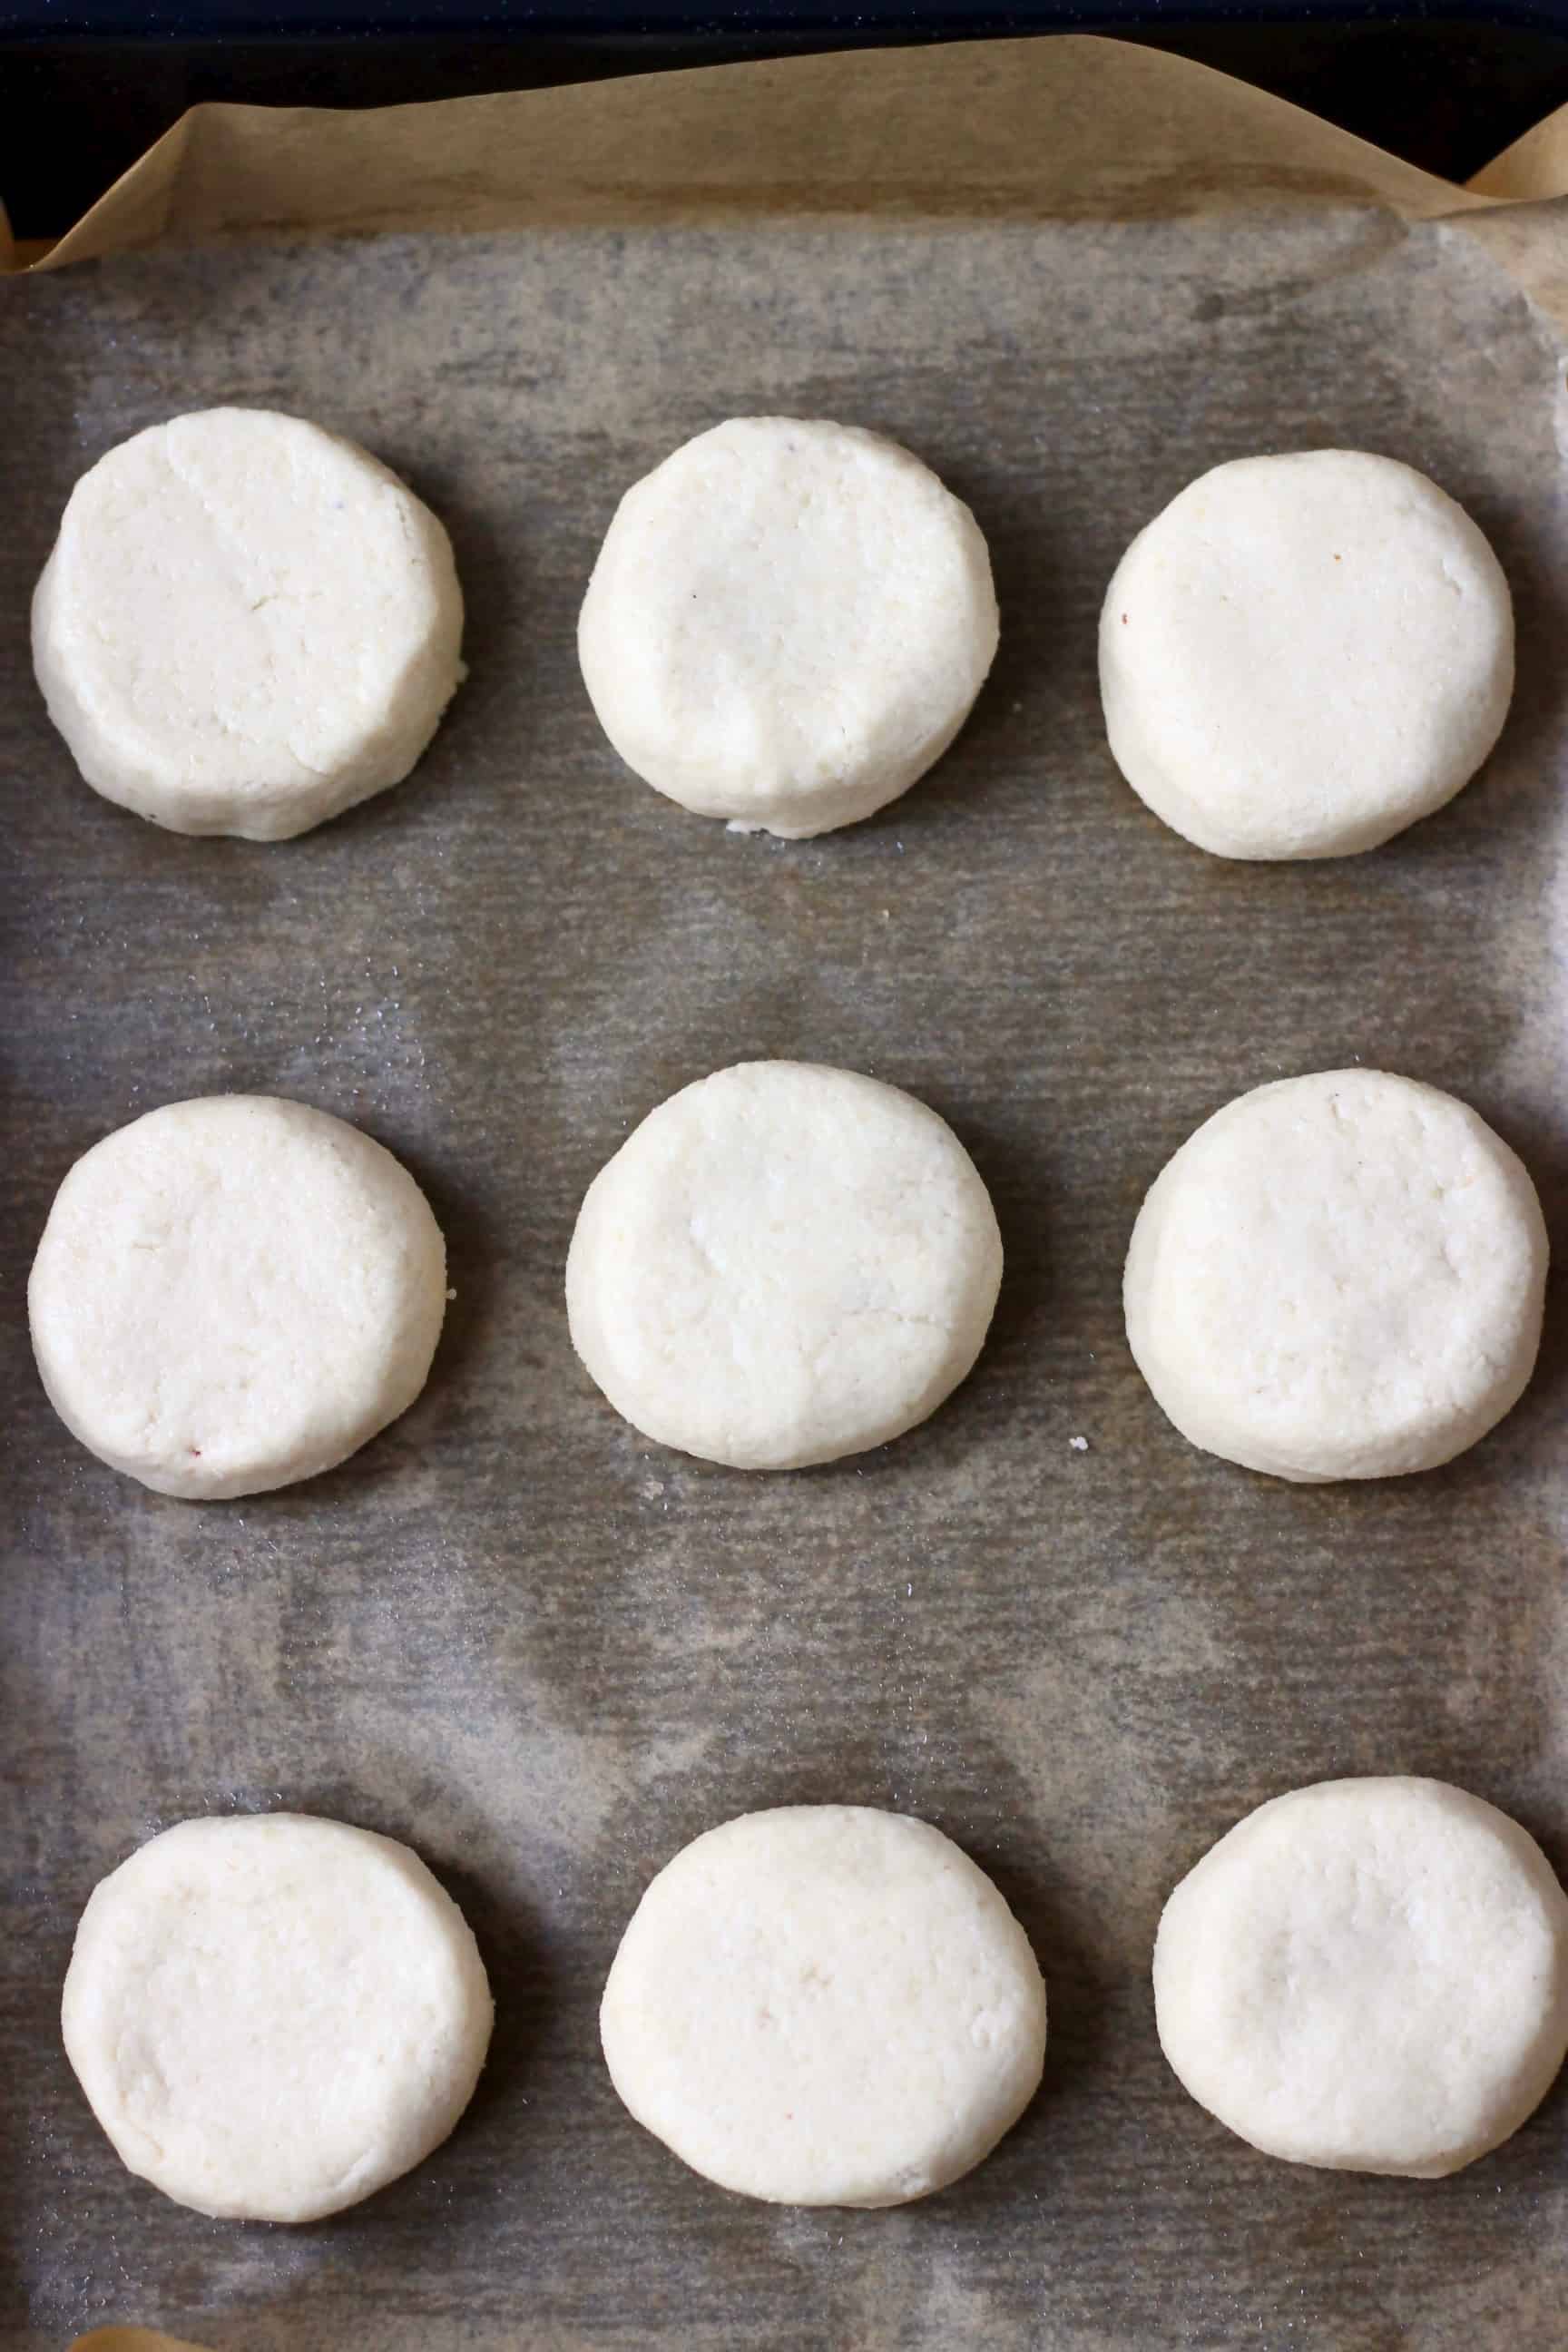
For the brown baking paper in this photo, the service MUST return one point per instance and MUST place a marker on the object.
(547, 1653)
(1076, 126)
(130, 2339)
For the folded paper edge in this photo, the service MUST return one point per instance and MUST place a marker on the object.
(1047, 127)
(1534, 170)
(137, 205)
(131, 2339)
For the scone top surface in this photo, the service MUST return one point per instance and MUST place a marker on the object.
(787, 624)
(247, 624)
(1369, 1974)
(234, 1293)
(1301, 654)
(1338, 1277)
(783, 1263)
(274, 2015)
(825, 2005)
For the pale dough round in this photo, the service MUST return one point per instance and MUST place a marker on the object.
(826, 2005)
(272, 2016)
(787, 624)
(1303, 655)
(1338, 1277)
(783, 1265)
(247, 624)
(1367, 1975)
(235, 1293)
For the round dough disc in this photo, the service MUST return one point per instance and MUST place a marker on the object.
(1367, 1975)
(826, 2005)
(783, 1265)
(235, 1293)
(787, 624)
(247, 624)
(273, 2016)
(1338, 1277)
(1303, 655)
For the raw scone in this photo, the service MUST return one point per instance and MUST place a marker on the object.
(1367, 1975)
(235, 1293)
(273, 2016)
(1338, 1277)
(826, 2005)
(1303, 655)
(783, 1263)
(247, 624)
(787, 624)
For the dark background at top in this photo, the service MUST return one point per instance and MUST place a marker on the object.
(85, 85)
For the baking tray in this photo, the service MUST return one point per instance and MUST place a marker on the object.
(548, 1654)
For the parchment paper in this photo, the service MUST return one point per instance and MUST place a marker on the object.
(547, 1653)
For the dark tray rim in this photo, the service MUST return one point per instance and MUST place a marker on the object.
(702, 26)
